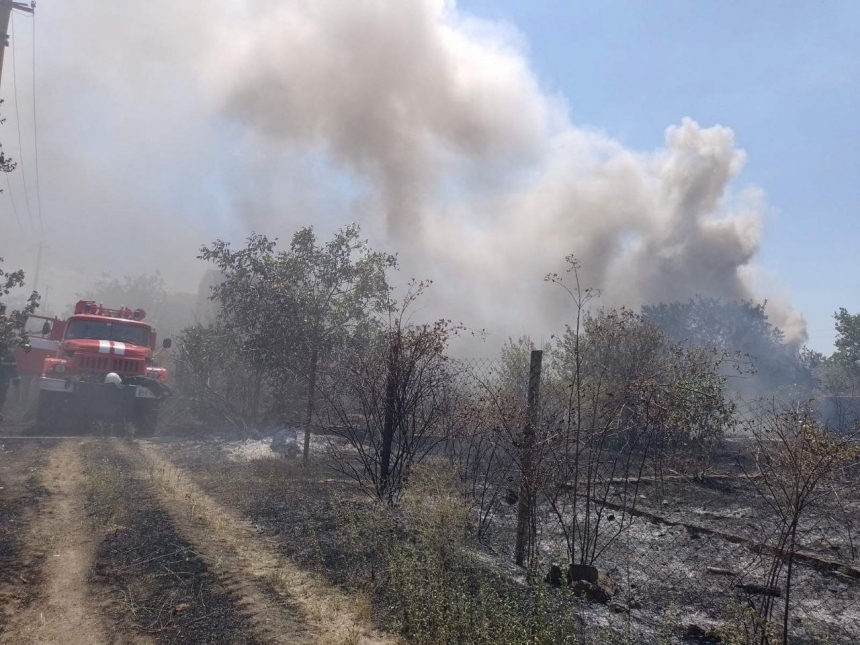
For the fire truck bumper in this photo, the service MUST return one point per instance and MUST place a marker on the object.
(99, 391)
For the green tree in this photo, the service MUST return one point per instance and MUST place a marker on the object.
(738, 327)
(146, 291)
(12, 326)
(7, 164)
(290, 308)
(215, 380)
(733, 325)
(12, 321)
(334, 287)
(847, 338)
(838, 377)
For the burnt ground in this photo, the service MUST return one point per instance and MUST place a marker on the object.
(733, 505)
(661, 562)
(692, 545)
(157, 583)
(315, 517)
(21, 494)
(204, 548)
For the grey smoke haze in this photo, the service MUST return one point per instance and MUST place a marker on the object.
(165, 126)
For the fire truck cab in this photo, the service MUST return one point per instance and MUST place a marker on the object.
(103, 370)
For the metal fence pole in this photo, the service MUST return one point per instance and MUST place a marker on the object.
(524, 501)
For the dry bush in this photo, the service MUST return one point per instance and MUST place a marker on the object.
(391, 397)
(796, 459)
(632, 404)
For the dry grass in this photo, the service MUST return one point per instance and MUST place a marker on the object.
(333, 617)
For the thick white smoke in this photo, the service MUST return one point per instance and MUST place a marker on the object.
(426, 125)
(481, 171)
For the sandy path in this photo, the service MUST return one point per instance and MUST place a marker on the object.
(62, 611)
(231, 547)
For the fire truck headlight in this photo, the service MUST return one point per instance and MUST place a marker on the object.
(59, 368)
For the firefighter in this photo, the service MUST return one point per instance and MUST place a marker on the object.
(8, 372)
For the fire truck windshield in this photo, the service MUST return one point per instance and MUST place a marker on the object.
(108, 331)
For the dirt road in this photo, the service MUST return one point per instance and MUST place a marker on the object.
(253, 563)
(20, 500)
(104, 541)
(59, 536)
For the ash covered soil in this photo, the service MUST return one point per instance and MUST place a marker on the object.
(663, 564)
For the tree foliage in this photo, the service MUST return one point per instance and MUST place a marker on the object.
(308, 296)
(146, 290)
(740, 327)
(13, 321)
(285, 311)
(219, 385)
(7, 164)
(847, 338)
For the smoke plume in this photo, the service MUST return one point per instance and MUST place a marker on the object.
(426, 125)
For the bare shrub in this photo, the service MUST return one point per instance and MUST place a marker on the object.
(636, 403)
(500, 449)
(796, 458)
(479, 451)
(391, 398)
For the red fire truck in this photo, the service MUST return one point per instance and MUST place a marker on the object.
(103, 370)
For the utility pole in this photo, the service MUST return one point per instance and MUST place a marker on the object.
(6, 7)
(38, 271)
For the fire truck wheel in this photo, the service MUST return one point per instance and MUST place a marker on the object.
(145, 419)
(49, 412)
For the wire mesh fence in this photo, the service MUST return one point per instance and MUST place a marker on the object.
(684, 532)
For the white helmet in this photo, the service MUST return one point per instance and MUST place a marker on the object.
(113, 378)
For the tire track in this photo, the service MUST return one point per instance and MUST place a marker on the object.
(63, 611)
(159, 588)
(273, 590)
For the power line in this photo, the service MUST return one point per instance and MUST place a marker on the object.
(18, 122)
(12, 198)
(36, 132)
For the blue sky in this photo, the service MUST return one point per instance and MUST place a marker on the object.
(784, 76)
